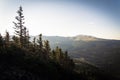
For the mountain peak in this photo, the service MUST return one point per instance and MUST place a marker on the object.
(85, 38)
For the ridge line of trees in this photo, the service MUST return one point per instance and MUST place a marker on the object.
(41, 49)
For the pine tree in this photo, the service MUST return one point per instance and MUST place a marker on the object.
(34, 43)
(47, 48)
(25, 37)
(40, 43)
(61, 54)
(53, 55)
(66, 55)
(57, 51)
(16, 41)
(19, 26)
(7, 39)
(1, 41)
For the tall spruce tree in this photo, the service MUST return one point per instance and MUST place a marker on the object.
(20, 29)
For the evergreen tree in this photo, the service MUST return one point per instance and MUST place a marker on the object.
(33, 46)
(16, 40)
(34, 43)
(1, 41)
(61, 54)
(40, 43)
(25, 37)
(66, 55)
(57, 51)
(19, 26)
(7, 39)
(47, 48)
(53, 55)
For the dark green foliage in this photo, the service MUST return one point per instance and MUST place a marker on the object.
(15, 40)
(47, 49)
(19, 64)
(1, 41)
(26, 37)
(7, 39)
(62, 58)
(40, 42)
(34, 44)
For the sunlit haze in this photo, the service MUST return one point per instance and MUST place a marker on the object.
(99, 18)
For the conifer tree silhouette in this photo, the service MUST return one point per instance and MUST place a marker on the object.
(20, 29)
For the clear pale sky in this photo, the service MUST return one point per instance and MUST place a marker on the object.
(99, 18)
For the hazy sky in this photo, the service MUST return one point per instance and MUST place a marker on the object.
(99, 18)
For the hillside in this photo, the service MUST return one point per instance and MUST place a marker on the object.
(33, 63)
(103, 53)
(19, 64)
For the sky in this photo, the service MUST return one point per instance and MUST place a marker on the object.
(99, 18)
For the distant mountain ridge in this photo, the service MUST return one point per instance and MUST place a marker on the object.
(74, 38)
(104, 53)
(64, 42)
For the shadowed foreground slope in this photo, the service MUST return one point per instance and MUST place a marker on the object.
(20, 64)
